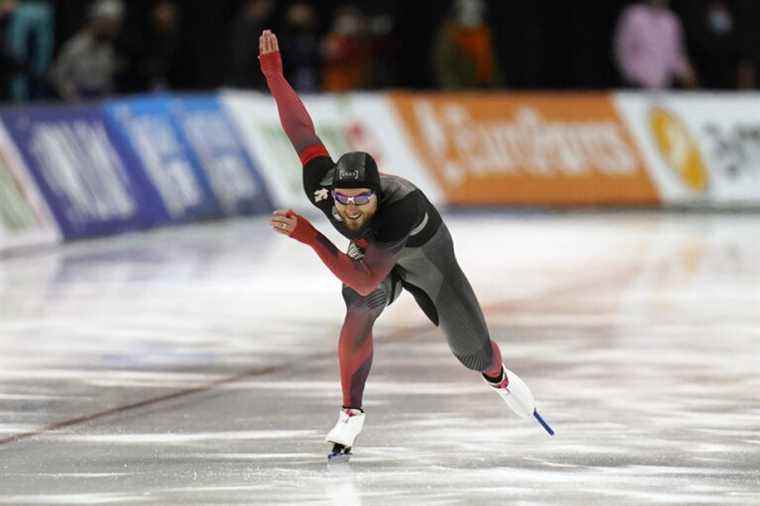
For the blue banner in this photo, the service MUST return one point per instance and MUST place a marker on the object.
(145, 125)
(137, 163)
(218, 147)
(82, 171)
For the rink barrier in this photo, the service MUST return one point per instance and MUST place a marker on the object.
(75, 171)
(122, 165)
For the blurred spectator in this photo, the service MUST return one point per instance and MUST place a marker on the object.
(255, 16)
(463, 55)
(384, 51)
(88, 62)
(299, 44)
(10, 66)
(748, 17)
(26, 35)
(162, 43)
(649, 47)
(715, 42)
(346, 52)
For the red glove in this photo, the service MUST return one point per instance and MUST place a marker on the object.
(304, 231)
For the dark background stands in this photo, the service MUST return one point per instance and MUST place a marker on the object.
(538, 44)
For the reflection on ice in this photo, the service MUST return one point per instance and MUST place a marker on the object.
(638, 334)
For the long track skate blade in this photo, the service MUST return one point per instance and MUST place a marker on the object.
(339, 454)
(543, 423)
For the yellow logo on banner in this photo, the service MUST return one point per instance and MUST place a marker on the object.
(679, 148)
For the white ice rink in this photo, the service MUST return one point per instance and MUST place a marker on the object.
(198, 366)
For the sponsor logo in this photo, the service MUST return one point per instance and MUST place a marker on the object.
(321, 195)
(345, 174)
(355, 252)
(528, 144)
(734, 151)
(678, 148)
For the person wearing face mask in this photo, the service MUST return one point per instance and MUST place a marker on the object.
(649, 47)
(398, 241)
(88, 62)
(463, 53)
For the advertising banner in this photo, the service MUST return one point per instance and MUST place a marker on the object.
(146, 127)
(82, 173)
(217, 146)
(701, 148)
(351, 122)
(520, 148)
(24, 217)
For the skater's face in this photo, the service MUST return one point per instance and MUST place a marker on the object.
(356, 206)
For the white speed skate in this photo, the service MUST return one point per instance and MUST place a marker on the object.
(342, 436)
(518, 396)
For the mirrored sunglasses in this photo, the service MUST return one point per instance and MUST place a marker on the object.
(357, 200)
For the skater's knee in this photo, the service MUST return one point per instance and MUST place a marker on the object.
(478, 361)
(372, 304)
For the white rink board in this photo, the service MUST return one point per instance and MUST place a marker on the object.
(351, 122)
(723, 128)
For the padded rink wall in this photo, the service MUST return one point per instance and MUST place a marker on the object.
(70, 172)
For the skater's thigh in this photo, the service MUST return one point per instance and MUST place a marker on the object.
(386, 292)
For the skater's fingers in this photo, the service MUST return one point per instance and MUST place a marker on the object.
(265, 43)
(279, 219)
(283, 224)
(282, 228)
(284, 217)
(268, 42)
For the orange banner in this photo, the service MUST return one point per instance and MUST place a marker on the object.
(517, 148)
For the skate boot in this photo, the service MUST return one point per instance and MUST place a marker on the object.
(342, 436)
(518, 396)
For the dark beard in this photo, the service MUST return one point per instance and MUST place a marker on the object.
(359, 233)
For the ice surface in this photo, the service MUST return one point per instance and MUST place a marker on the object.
(198, 366)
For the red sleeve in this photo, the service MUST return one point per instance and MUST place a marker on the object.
(362, 275)
(294, 118)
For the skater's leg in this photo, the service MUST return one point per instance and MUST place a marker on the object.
(355, 355)
(355, 344)
(494, 372)
(443, 292)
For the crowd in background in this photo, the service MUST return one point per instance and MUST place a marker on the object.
(76, 50)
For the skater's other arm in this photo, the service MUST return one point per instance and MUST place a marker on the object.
(294, 118)
(363, 275)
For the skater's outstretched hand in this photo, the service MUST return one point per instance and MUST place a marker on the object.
(268, 43)
(291, 224)
(269, 54)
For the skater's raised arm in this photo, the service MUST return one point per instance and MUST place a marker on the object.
(294, 118)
